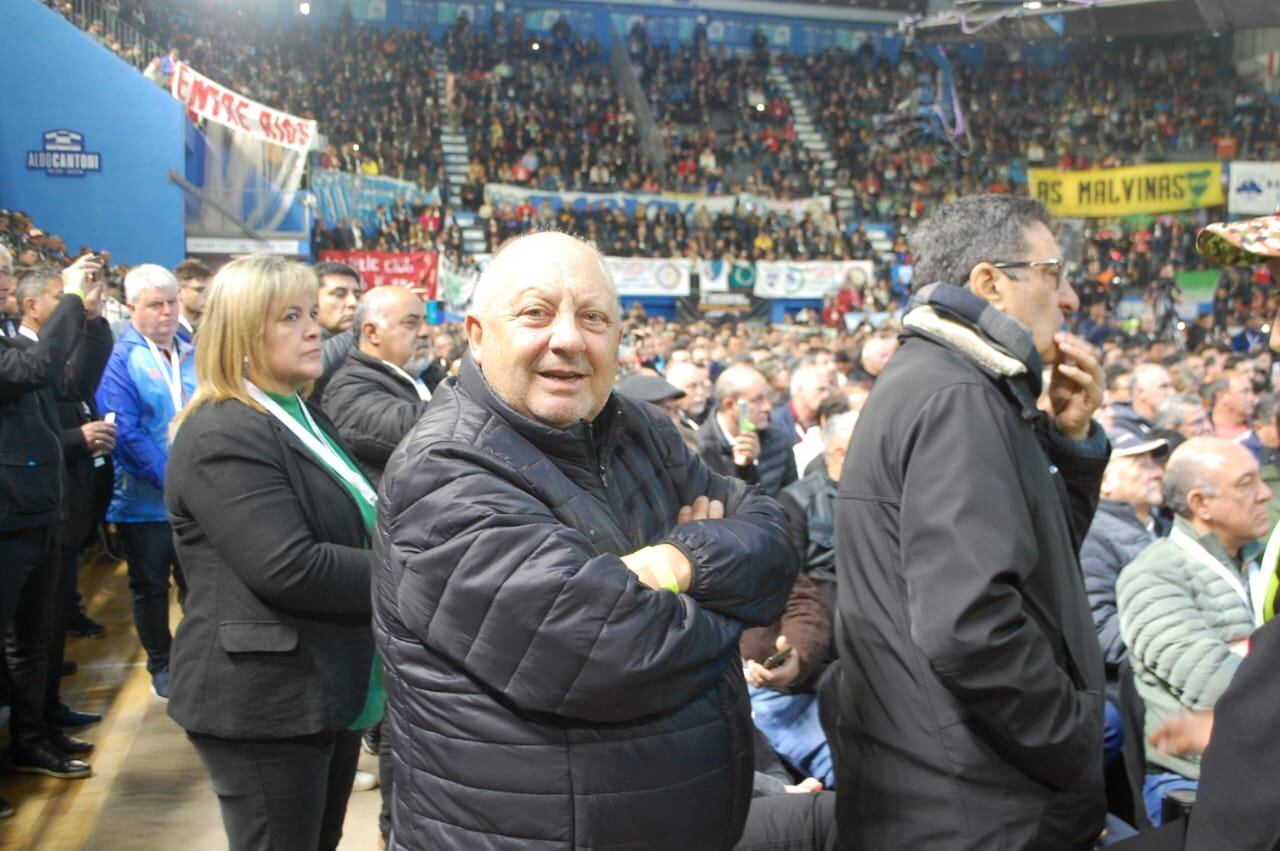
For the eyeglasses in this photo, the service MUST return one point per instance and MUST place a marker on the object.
(1052, 265)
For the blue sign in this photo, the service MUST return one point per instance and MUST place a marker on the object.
(64, 155)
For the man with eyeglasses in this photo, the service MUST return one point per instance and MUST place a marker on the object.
(971, 711)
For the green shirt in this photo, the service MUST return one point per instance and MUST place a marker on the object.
(293, 407)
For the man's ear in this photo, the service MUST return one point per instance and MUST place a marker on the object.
(471, 324)
(986, 282)
(1198, 502)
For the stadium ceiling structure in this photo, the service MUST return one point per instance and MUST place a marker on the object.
(1034, 20)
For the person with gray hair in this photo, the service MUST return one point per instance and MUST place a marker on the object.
(971, 711)
(149, 380)
(1188, 603)
(1181, 417)
(1263, 439)
(1149, 386)
(377, 395)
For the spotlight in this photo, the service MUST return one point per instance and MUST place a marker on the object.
(1032, 5)
(304, 8)
(536, 46)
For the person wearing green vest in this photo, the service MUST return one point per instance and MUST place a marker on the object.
(271, 665)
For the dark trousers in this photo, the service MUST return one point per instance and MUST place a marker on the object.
(148, 547)
(800, 822)
(28, 591)
(386, 779)
(281, 794)
(68, 567)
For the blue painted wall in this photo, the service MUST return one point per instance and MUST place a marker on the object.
(57, 78)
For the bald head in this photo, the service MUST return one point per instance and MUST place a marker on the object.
(549, 251)
(1214, 484)
(544, 326)
(392, 327)
(876, 353)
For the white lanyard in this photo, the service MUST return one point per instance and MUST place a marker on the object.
(320, 448)
(1197, 551)
(171, 372)
(423, 392)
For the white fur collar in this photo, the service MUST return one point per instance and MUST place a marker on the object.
(968, 341)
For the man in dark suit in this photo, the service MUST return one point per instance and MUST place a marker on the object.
(738, 440)
(86, 443)
(30, 510)
(374, 398)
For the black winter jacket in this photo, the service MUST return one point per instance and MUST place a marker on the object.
(539, 696)
(773, 470)
(1115, 538)
(31, 461)
(373, 407)
(971, 706)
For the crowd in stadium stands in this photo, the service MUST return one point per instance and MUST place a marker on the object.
(1104, 106)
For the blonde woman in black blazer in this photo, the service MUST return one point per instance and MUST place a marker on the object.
(271, 662)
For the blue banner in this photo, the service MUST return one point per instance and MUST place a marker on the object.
(341, 195)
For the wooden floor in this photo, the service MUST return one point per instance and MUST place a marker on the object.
(148, 789)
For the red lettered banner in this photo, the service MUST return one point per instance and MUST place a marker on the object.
(214, 101)
(413, 269)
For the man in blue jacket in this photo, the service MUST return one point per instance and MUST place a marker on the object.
(149, 378)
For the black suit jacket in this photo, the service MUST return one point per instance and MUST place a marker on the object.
(373, 408)
(83, 499)
(276, 640)
(30, 452)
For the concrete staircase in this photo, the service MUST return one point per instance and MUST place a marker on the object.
(809, 136)
(456, 151)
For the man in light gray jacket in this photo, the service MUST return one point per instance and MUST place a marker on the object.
(1187, 603)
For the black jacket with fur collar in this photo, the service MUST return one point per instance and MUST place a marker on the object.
(974, 678)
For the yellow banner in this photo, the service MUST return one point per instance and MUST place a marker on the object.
(1101, 193)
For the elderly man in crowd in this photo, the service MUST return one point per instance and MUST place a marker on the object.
(441, 357)
(971, 709)
(738, 439)
(810, 384)
(376, 396)
(1149, 386)
(1263, 439)
(149, 379)
(561, 588)
(695, 382)
(1126, 523)
(1188, 603)
(1182, 417)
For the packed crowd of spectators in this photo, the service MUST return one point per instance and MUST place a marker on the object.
(1105, 105)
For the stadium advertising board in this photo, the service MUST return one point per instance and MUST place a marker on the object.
(1255, 188)
(636, 276)
(207, 99)
(1135, 190)
(413, 269)
(809, 279)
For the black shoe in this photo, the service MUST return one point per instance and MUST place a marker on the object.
(68, 668)
(84, 626)
(6, 809)
(69, 719)
(70, 745)
(42, 757)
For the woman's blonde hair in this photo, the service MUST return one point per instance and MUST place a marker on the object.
(242, 297)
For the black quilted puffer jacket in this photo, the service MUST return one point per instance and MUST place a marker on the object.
(539, 696)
